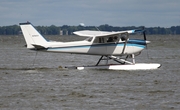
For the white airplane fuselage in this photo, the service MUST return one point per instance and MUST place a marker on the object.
(86, 47)
(95, 45)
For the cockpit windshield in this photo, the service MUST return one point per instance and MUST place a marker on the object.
(89, 39)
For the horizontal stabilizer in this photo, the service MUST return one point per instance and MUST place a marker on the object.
(38, 46)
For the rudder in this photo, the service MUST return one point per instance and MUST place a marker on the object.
(32, 37)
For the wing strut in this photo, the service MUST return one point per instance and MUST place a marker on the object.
(125, 38)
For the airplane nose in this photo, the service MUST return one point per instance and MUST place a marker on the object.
(147, 42)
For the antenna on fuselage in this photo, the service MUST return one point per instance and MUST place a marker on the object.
(82, 24)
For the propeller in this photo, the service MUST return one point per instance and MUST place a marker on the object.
(144, 33)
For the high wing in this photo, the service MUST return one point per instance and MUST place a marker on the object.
(88, 33)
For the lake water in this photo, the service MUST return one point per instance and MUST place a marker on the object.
(36, 80)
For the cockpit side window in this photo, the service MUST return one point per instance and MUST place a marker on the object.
(99, 40)
(113, 39)
(107, 39)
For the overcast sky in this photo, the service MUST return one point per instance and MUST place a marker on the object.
(149, 13)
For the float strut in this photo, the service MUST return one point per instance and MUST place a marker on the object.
(133, 59)
(107, 60)
(99, 60)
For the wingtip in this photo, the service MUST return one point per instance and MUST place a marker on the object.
(25, 23)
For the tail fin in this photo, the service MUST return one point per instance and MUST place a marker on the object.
(32, 37)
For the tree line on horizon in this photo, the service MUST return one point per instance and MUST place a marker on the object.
(68, 30)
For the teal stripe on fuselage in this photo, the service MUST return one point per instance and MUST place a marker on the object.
(137, 41)
(97, 45)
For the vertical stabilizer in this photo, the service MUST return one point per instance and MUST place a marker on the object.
(32, 37)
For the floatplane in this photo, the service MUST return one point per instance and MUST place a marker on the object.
(115, 46)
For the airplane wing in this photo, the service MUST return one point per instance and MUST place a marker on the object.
(88, 33)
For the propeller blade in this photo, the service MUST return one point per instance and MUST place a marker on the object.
(144, 33)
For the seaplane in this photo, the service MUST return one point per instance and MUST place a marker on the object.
(114, 46)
